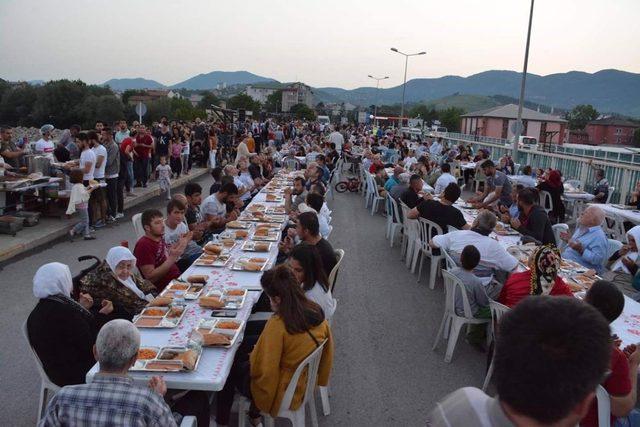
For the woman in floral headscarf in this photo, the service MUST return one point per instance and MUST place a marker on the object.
(540, 279)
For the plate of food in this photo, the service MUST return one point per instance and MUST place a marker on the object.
(238, 225)
(223, 300)
(168, 359)
(234, 234)
(198, 278)
(277, 210)
(502, 229)
(274, 198)
(255, 264)
(191, 290)
(265, 234)
(160, 317)
(255, 207)
(219, 332)
(213, 260)
(253, 246)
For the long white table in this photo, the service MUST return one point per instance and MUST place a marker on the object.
(215, 363)
(632, 215)
(627, 326)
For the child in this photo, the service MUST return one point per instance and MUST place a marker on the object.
(186, 150)
(79, 201)
(476, 294)
(163, 172)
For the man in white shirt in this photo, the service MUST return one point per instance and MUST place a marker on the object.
(45, 145)
(436, 148)
(492, 254)
(337, 138)
(101, 155)
(244, 192)
(175, 228)
(314, 203)
(87, 162)
(122, 133)
(445, 179)
(214, 208)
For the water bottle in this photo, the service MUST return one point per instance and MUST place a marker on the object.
(178, 298)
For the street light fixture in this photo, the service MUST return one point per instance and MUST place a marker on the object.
(375, 106)
(404, 84)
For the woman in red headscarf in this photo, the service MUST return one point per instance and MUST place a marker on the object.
(552, 183)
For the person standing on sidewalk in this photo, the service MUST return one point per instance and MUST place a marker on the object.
(98, 203)
(142, 147)
(163, 171)
(79, 202)
(163, 141)
(213, 147)
(125, 176)
(112, 170)
(123, 132)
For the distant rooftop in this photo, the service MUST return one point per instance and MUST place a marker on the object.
(612, 121)
(510, 111)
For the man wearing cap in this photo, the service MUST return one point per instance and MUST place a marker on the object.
(45, 145)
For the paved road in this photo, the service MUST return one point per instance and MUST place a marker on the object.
(384, 372)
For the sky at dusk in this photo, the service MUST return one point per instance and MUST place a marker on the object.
(322, 43)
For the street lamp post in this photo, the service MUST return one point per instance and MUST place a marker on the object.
(519, 127)
(404, 85)
(375, 106)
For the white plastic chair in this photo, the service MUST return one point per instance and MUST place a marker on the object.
(449, 261)
(394, 225)
(610, 194)
(46, 384)
(604, 407)
(375, 194)
(613, 226)
(497, 311)
(614, 246)
(557, 229)
(297, 417)
(189, 421)
(546, 201)
(137, 225)
(426, 230)
(452, 323)
(410, 235)
(291, 163)
(575, 183)
(333, 275)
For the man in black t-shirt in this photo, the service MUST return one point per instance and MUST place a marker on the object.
(162, 141)
(442, 212)
(308, 230)
(411, 196)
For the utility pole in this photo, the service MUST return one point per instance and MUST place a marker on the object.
(375, 106)
(404, 84)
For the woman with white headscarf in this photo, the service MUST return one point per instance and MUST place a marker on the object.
(115, 280)
(623, 264)
(62, 331)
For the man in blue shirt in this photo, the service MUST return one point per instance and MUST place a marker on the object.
(394, 179)
(588, 246)
(436, 147)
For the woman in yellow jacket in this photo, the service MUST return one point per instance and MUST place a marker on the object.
(295, 330)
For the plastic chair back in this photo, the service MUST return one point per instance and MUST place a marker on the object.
(426, 230)
(392, 210)
(614, 227)
(333, 275)
(449, 261)
(497, 311)
(604, 407)
(545, 201)
(410, 225)
(557, 229)
(311, 363)
(575, 183)
(137, 225)
(453, 285)
(610, 194)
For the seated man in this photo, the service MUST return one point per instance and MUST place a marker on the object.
(244, 192)
(400, 188)
(622, 381)
(412, 195)
(308, 231)
(565, 346)
(314, 203)
(156, 263)
(444, 179)
(175, 229)
(442, 212)
(492, 254)
(294, 196)
(533, 220)
(380, 179)
(193, 217)
(394, 179)
(588, 246)
(497, 188)
(214, 207)
(601, 187)
(112, 399)
(314, 177)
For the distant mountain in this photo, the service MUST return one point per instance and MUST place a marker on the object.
(135, 83)
(607, 90)
(471, 103)
(211, 80)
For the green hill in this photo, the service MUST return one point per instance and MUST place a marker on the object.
(470, 103)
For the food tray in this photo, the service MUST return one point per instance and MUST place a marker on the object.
(233, 234)
(250, 246)
(191, 292)
(271, 198)
(170, 365)
(272, 236)
(256, 207)
(238, 265)
(211, 326)
(238, 225)
(279, 210)
(232, 302)
(144, 320)
(213, 260)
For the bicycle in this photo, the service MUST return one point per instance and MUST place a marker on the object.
(352, 184)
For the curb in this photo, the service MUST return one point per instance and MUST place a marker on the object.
(56, 232)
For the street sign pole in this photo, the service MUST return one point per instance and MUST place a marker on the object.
(139, 111)
(518, 133)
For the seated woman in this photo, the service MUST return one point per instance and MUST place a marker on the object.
(114, 280)
(62, 331)
(622, 264)
(295, 330)
(552, 183)
(541, 278)
(306, 264)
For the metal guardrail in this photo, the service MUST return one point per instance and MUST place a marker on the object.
(622, 170)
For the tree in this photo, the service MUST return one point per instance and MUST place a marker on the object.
(302, 112)
(57, 100)
(274, 102)
(107, 108)
(321, 109)
(207, 100)
(242, 100)
(450, 118)
(580, 115)
(16, 105)
(427, 114)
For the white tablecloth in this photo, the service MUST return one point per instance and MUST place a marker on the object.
(470, 216)
(524, 180)
(627, 326)
(578, 196)
(628, 214)
(468, 165)
(215, 363)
